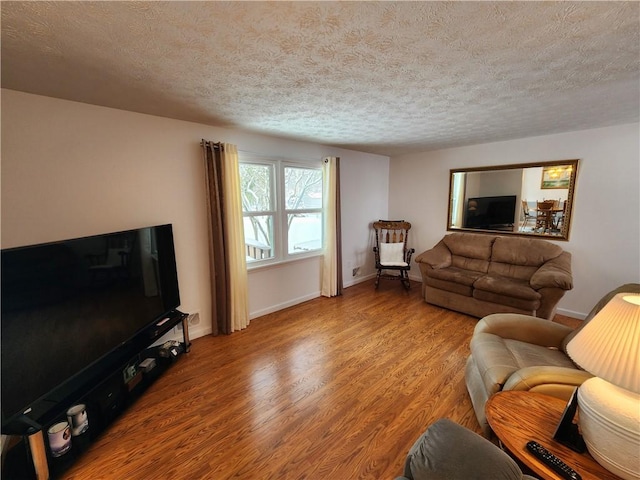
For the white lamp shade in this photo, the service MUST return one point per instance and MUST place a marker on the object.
(609, 345)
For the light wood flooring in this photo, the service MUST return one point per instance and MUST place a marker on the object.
(334, 388)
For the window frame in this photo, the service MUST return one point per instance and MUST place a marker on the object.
(280, 213)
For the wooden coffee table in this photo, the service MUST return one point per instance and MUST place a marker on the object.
(517, 417)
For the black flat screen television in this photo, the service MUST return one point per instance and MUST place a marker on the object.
(490, 212)
(67, 306)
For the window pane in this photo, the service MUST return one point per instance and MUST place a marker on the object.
(256, 181)
(303, 188)
(305, 232)
(258, 237)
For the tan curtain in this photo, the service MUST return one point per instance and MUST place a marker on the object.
(228, 264)
(332, 262)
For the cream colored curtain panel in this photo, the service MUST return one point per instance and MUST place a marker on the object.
(332, 261)
(228, 264)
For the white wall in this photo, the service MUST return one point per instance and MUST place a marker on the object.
(71, 169)
(605, 226)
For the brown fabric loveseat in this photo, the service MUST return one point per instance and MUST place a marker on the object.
(481, 274)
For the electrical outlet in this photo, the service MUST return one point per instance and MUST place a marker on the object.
(193, 318)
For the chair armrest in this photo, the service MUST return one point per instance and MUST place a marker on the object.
(437, 257)
(556, 273)
(547, 379)
(524, 328)
(407, 255)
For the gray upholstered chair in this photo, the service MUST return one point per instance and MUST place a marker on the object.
(519, 352)
(448, 451)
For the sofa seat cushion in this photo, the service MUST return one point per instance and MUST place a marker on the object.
(517, 304)
(507, 286)
(453, 279)
(498, 358)
(507, 291)
(450, 287)
(456, 275)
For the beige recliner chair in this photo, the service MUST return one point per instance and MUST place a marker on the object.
(518, 352)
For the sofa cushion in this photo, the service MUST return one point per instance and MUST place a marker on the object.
(469, 251)
(448, 451)
(523, 251)
(518, 304)
(511, 292)
(510, 287)
(509, 270)
(450, 287)
(456, 275)
(498, 358)
(520, 257)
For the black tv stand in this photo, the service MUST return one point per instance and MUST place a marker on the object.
(107, 392)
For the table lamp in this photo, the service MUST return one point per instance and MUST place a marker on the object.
(609, 403)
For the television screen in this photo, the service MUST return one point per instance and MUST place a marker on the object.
(67, 304)
(490, 212)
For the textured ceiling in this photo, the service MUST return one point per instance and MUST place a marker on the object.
(380, 77)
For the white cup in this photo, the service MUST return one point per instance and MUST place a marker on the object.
(77, 417)
(59, 438)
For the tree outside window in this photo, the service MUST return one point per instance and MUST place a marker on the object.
(303, 191)
(281, 225)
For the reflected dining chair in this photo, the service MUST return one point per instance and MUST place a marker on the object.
(560, 216)
(544, 216)
(527, 215)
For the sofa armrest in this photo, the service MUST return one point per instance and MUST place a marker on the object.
(548, 380)
(436, 257)
(554, 273)
(524, 328)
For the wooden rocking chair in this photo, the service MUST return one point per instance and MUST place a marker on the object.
(391, 252)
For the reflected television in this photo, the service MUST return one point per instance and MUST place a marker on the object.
(490, 212)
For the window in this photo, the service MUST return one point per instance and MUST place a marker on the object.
(282, 209)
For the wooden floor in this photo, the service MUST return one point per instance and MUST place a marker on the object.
(330, 389)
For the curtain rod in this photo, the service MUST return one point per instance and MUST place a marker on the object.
(204, 142)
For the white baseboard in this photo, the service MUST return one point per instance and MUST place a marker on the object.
(356, 280)
(197, 332)
(281, 306)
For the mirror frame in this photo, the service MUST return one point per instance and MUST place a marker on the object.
(566, 224)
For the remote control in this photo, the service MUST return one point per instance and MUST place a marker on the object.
(552, 461)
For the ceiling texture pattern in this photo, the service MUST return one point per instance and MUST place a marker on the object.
(380, 77)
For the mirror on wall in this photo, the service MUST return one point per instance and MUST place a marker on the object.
(532, 199)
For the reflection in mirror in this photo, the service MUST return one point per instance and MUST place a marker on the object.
(526, 199)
